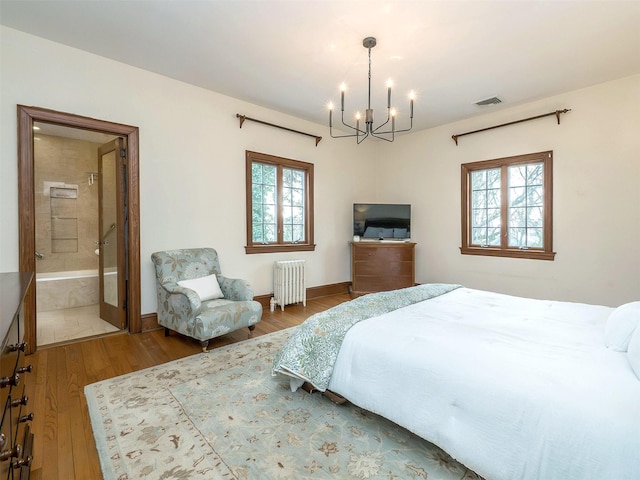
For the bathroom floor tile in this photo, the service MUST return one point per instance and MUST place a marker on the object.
(70, 324)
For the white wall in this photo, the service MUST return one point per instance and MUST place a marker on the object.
(192, 175)
(596, 194)
(192, 159)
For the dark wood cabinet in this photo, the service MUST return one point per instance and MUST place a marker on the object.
(381, 266)
(16, 438)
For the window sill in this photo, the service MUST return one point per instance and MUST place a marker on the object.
(512, 253)
(272, 248)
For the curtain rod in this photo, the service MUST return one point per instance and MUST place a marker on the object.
(557, 113)
(244, 117)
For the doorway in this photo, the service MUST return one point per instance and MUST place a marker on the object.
(118, 236)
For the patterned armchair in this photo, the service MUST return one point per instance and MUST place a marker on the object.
(181, 309)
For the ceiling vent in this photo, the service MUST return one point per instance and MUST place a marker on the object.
(488, 101)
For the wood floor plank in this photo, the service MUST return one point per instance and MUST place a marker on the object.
(64, 446)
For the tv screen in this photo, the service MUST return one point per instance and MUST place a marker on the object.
(382, 221)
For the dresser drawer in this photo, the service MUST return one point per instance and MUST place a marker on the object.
(383, 268)
(386, 253)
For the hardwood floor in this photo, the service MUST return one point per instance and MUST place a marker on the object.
(64, 448)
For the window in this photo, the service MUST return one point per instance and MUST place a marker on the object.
(279, 204)
(507, 207)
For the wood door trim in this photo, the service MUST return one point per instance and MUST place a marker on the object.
(26, 207)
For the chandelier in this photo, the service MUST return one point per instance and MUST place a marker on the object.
(361, 134)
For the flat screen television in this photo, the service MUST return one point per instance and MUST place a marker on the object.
(382, 221)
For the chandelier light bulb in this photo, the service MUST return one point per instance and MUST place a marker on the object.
(330, 106)
(358, 116)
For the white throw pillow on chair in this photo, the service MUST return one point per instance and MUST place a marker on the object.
(207, 287)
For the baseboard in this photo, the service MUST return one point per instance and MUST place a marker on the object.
(149, 321)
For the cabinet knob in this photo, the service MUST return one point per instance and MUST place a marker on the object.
(14, 452)
(17, 346)
(14, 380)
(26, 418)
(25, 369)
(19, 401)
(22, 462)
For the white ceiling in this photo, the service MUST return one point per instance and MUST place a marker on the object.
(291, 56)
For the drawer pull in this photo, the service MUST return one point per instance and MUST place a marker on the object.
(19, 401)
(17, 346)
(14, 452)
(13, 381)
(22, 462)
(26, 418)
(25, 369)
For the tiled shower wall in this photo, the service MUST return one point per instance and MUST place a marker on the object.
(67, 161)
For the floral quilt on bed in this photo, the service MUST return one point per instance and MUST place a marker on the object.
(312, 349)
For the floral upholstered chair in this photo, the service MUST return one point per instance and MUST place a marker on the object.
(196, 300)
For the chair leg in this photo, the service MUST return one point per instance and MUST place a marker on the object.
(251, 329)
(204, 344)
(166, 332)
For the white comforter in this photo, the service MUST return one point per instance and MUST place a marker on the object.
(513, 388)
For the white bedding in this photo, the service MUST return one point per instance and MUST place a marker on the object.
(513, 388)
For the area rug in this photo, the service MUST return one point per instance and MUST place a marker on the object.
(221, 415)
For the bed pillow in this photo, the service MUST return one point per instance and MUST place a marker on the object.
(621, 324)
(634, 352)
(207, 287)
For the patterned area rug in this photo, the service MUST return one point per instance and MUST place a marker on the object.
(221, 415)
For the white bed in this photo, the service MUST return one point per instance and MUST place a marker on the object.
(514, 388)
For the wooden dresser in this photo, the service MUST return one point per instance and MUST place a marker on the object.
(381, 266)
(16, 438)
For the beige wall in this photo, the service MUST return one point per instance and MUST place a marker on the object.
(66, 161)
(596, 194)
(192, 175)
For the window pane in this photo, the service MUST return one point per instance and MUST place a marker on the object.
(493, 198)
(535, 216)
(257, 232)
(534, 237)
(534, 174)
(535, 196)
(286, 177)
(493, 217)
(479, 236)
(270, 233)
(479, 199)
(493, 178)
(297, 197)
(256, 213)
(493, 237)
(479, 180)
(256, 173)
(517, 217)
(269, 194)
(517, 196)
(517, 176)
(298, 233)
(479, 217)
(517, 237)
(287, 233)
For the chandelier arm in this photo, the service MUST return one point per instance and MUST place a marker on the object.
(382, 125)
(397, 131)
(359, 140)
(377, 135)
(361, 132)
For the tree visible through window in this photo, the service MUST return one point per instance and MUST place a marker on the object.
(507, 207)
(279, 204)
